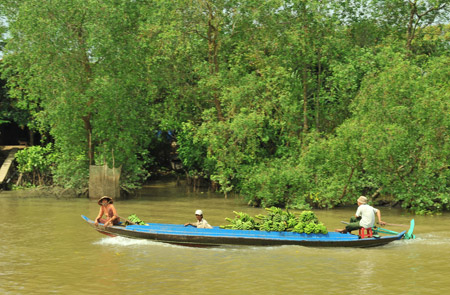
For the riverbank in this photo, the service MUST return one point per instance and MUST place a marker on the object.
(185, 186)
(44, 192)
(60, 192)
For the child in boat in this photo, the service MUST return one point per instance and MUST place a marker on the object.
(201, 222)
(107, 209)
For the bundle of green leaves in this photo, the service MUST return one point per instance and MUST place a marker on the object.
(309, 223)
(134, 219)
(278, 220)
(241, 221)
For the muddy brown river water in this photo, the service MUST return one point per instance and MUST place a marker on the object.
(46, 248)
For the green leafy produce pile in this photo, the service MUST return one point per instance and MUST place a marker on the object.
(133, 218)
(277, 220)
(241, 221)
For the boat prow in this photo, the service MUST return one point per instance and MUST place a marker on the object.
(410, 234)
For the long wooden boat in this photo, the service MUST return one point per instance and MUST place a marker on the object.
(191, 236)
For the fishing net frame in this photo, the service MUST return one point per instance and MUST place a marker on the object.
(104, 181)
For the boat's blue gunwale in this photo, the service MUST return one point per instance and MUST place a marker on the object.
(181, 234)
(219, 232)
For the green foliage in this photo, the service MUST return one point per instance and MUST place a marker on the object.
(192, 151)
(241, 221)
(9, 109)
(309, 223)
(36, 163)
(277, 220)
(276, 183)
(301, 104)
(79, 77)
(392, 140)
(134, 219)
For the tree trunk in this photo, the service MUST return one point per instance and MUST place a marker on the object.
(344, 192)
(213, 48)
(84, 60)
(88, 128)
(414, 18)
(319, 87)
(305, 99)
(411, 29)
(31, 137)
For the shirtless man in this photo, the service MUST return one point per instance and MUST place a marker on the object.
(107, 209)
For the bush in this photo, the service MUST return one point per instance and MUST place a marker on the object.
(276, 183)
(35, 164)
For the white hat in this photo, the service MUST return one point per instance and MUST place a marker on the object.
(362, 200)
(199, 212)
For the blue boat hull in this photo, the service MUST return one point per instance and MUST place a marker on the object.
(179, 234)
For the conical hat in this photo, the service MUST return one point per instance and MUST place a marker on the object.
(110, 200)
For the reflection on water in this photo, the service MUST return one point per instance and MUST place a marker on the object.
(45, 247)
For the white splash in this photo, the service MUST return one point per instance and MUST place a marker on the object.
(122, 241)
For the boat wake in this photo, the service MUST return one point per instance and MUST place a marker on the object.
(122, 241)
(430, 239)
(127, 242)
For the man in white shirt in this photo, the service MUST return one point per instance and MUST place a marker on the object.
(201, 222)
(364, 217)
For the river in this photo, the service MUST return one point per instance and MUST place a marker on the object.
(46, 248)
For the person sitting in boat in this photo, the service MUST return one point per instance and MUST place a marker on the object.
(364, 217)
(201, 222)
(108, 210)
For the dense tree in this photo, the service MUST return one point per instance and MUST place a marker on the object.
(76, 66)
(400, 18)
(290, 103)
(401, 121)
